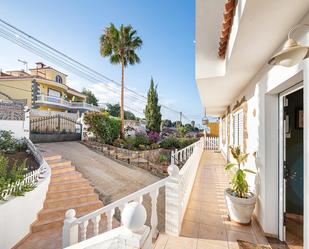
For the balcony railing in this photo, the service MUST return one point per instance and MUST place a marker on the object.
(45, 99)
(178, 186)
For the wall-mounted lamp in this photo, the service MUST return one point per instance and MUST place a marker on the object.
(292, 52)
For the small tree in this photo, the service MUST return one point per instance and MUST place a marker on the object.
(167, 123)
(90, 97)
(239, 185)
(153, 109)
(113, 110)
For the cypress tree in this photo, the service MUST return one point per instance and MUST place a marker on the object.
(153, 110)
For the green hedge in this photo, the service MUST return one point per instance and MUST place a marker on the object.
(104, 127)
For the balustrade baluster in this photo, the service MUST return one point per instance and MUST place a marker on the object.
(95, 222)
(154, 214)
(109, 216)
(83, 230)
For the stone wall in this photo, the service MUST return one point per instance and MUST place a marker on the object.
(146, 159)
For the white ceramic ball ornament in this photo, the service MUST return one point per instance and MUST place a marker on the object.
(133, 216)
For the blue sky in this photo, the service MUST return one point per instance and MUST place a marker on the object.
(167, 28)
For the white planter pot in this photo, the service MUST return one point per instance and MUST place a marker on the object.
(240, 209)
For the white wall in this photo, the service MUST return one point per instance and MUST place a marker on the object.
(19, 127)
(262, 97)
(18, 213)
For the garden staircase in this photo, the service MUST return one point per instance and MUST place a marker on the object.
(67, 189)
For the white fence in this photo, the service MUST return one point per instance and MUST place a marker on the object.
(18, 213)
(31, 177)
(178, 188)
(212, 143)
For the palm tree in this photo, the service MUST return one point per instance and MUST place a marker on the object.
(120, 46)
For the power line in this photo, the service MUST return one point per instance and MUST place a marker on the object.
(17, 38)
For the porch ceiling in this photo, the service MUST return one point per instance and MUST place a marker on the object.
(259, 27)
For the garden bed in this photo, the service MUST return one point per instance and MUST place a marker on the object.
(145, 159)
(19, 157)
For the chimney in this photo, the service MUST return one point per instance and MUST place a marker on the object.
(40, 65)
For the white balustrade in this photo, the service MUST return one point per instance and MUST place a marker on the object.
(68, 104)
(178, 186)
(109, 211)
(211, 143)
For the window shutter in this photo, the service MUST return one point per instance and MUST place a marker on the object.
(238, 129)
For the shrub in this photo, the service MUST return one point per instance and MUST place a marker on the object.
(154, 146)
(11, 175)
(153, 136)
(163, 159)
(170, 142)
(104, 127)
(178, 143)
(120, 143)
(184, 142)
(140, 139)
(8, 144)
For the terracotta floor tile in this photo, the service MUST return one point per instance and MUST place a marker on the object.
(233, 236)
(211, 244)
(181, 243)
(190, 229)
(192, 215)
(212, 232)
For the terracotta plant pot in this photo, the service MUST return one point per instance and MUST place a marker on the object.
(240, 209)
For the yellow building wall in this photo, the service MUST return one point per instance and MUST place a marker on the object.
(17, 89)
(44, 88)
(214, 129)
(51, 75)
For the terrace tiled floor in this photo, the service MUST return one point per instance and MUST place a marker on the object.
(206, 225)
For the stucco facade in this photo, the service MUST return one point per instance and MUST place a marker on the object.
(39, 87)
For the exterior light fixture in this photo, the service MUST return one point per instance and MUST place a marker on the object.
(292, 52)
(205, 120)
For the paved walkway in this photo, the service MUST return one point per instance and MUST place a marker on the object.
(206, 225)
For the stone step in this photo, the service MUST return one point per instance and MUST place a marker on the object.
(69, 201)
(52, 213)
(67, 176)
(62, 169)
(46, 224)
(70, 192)
(68, 185)
(60, 162)
(49, 158)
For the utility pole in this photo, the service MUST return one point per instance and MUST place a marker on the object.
(25, 64)
(180, 117)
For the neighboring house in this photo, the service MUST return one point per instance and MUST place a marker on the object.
(133, 127)
(213, 129)
(43, 88)
(262, 108)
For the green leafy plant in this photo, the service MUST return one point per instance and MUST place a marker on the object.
(104, 127)
(8, 144)
(239, 184)
(163, 159)
(11, 175)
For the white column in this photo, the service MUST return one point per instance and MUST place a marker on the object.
(306, 153)
(69, 231)
(154, 215)
(172, 202)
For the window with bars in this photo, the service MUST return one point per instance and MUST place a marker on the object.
(238, 128)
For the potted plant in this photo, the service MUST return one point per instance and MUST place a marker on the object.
(240, 202)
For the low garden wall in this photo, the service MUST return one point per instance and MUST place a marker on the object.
(146, 159)
(18, 213)
(54, 137)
